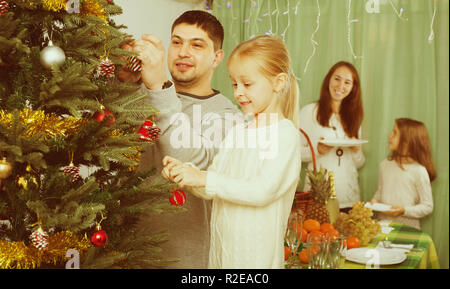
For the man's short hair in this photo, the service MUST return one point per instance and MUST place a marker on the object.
(206, 21)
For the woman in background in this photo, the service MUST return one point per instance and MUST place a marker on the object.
(337, 115)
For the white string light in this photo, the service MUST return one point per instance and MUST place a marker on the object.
(431, 36)
(289, 20)
(314, 42)
(349, 30)
(399, 14)
(277, 16)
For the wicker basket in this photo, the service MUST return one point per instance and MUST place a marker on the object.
(304, 199)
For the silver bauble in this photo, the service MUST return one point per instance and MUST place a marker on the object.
(52, 55)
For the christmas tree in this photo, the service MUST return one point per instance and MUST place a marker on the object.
(63, 109)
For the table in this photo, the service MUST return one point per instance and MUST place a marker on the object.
(402, 234)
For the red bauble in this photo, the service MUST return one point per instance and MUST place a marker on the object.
(99, 237)
(100, 116)
(178, 198)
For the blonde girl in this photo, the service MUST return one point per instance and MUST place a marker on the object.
(252, 183)
(404, 178)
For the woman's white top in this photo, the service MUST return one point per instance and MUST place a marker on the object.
(409, 187)
(345, 168)
(252, 182)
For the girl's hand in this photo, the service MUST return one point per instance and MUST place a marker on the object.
(395, 211)
(169, 163)
(323, 148)
(186, 175)
(373, 201)
(355, 149)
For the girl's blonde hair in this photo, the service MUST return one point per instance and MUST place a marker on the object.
(415, 144)
(272, 58)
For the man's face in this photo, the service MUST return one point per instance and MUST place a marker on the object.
(191, 56)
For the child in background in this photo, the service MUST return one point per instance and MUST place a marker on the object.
(404, 178)
(252, 190)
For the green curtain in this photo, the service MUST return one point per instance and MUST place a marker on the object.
(403, 73)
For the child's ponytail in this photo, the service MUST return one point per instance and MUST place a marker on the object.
(290, 101)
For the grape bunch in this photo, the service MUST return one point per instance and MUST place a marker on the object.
(358, 223)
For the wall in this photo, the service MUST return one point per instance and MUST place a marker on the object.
(151, 16)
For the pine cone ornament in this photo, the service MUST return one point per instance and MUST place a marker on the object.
(106, 68)
(4, 8)
(149, 131)
(39, 239)
(74, 171)
(134, 64)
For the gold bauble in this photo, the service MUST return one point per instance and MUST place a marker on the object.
(5, 169)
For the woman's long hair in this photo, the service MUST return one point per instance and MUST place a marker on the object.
(272, 58)
(415, 144)
(351, 110)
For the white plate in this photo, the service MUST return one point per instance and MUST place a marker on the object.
(378, 207)
(375, 256)
(343, 142)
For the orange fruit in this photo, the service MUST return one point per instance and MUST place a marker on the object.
(332, 235)
(304, 235)
(311, 225)
(325, 227)
(287, 252)
(353, 242)
(303, 256)
(315, 249)
(316, 236)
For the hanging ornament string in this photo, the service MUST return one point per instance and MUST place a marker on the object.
(314, 42)
(106, 67)
(431, 36)
(399, 14)
(349, 30)
(283, 34)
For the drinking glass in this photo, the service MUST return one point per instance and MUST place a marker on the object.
(343, 251)
(318, 251)
(334, 252)
(294, 234)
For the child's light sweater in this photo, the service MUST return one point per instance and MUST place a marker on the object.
(409, 187)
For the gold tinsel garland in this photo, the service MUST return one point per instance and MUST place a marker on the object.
(37, 121)
(88, 7)
(16, 255)
(54, 5)
(92, 7)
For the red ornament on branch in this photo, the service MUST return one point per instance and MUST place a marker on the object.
(178, 198)
(106, 68)
(39, 239)
(103, 113)
(4, 7)
(72, 170)
(149, 131)
(99, 237)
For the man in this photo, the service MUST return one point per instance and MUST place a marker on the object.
(193, 120)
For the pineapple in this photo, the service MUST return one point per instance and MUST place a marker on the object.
(320, 192)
